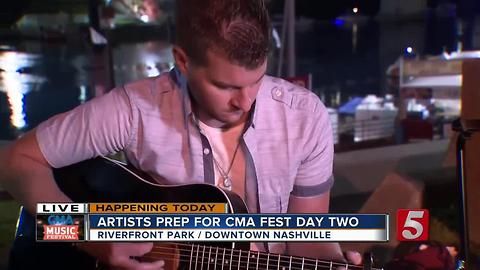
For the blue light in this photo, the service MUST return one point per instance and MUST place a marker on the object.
(339, 22)
(409, 52)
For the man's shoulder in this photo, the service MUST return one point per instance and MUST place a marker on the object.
(282, 94)
(154, 85)
(150, 90)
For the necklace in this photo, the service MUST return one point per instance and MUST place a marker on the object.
(213, 134)
(227, 180)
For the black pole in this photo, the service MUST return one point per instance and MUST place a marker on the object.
(93, 16)
(465, 129)
(464, 239)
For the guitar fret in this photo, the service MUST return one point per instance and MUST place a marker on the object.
(191, 258)
(303, 262)
(239, 258)
(215, 263)
(203, 257)
(223, 258)
(258, 258)
(346, 266)
(209, 253)
(231, 258)
(268, 260)
(331, 265)
(290, 263)
(196, 257)
(248, 260)
(316, 264)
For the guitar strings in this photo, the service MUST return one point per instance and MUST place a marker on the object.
(254, 265)
(196, 249)
(250, 266)
(235, 258)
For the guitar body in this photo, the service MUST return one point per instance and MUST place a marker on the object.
(101, 180)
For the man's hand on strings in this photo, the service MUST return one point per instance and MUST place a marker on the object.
(121, 256)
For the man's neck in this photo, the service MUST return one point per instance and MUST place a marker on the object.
(214, 123)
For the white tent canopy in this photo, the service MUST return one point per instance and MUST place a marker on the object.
(434, 81)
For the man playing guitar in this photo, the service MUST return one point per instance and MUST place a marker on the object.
(216, 118)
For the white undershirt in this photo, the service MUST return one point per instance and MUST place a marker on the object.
(223, 143)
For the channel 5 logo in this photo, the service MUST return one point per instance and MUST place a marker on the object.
(412, 224)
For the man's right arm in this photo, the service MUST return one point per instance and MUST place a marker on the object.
(87, 131)
(26, 174)
(99, 127)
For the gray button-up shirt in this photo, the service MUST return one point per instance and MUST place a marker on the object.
(287, 142)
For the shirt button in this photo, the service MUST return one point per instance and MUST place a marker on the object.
(278, 92)
(206, 151)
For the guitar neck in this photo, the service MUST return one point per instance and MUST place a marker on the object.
(193, 256)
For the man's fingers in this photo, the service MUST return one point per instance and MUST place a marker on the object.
(158, 265)
(141, 249)
(132, 264)
(353, 257)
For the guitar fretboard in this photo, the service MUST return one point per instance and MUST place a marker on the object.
(207, 257)
(202, 257)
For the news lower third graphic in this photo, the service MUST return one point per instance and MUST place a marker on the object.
(199, 222)
(412, 224)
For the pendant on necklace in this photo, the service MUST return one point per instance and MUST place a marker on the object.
(227, 182)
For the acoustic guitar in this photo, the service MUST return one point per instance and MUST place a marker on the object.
(106, 180)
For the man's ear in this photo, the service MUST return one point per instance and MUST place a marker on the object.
(181, 59)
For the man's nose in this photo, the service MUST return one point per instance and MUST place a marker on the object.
(243, 99)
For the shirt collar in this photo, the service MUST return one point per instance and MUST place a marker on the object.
(182, 85)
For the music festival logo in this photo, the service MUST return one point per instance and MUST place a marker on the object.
(60, 228)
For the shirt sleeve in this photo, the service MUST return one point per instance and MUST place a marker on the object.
(315, 173)
(98, 127)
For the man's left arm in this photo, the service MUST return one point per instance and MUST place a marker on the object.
(308, 205)
(311, 191)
